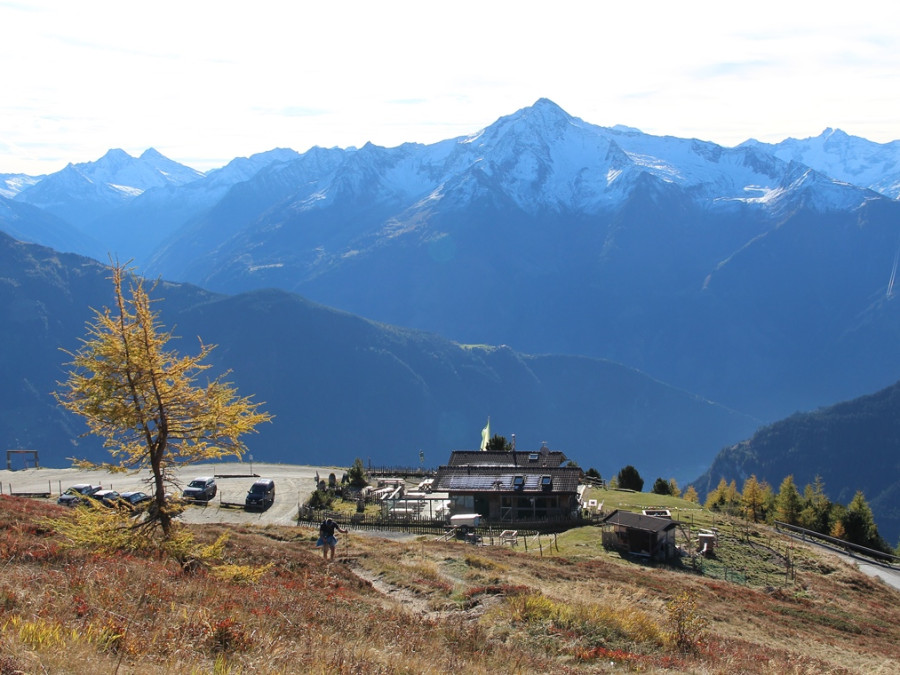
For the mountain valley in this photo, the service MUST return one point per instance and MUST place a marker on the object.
(635, 299)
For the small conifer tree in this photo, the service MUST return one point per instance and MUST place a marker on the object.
(356, 474)
(661, 487)
(630, 479)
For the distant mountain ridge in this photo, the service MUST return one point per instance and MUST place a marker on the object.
(853, 445)
(571, 238)
(12, 184)
(540, 158)
(342, 387)
(843, 157)
(549, 234)
(26, 223)
(540, 136)
(82, 192)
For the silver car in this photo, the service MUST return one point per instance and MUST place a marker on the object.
(200, 489)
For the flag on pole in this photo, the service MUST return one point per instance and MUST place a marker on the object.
(485, 434)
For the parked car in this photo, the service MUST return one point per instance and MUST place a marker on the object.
(135, 499)
(76, 494)
(109, 498)
(200, 489)
(261, 494)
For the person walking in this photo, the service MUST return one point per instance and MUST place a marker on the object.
(327, 540)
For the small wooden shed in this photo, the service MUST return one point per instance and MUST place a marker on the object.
(637, 534)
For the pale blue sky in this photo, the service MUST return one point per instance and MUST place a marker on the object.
(204, 82)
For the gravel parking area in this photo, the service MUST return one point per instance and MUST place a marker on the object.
(293, 484)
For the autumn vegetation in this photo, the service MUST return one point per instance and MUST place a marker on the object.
(240, 599)
(759, 503)
(811, 509)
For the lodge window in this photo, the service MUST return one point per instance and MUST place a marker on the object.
(536, 508)
(463, 503)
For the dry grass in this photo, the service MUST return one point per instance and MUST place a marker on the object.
(416, 607)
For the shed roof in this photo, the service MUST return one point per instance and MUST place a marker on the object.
(637, 521)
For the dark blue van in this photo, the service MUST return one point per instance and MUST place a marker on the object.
(261, 495)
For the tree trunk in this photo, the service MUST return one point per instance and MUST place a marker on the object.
(162, 507)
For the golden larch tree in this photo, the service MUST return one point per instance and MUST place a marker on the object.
(144, 399)
(753, 499)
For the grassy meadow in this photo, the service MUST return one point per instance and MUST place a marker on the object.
(421, 605)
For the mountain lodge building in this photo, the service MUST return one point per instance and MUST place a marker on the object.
(510, 487)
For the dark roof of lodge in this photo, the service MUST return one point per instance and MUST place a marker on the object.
(637, 521)
(480, 478)
(516, 458)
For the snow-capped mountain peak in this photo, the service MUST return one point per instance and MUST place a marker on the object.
(242, 168)
(845, 158)
(82, 192)
(135, 175)
(13, 183)
(545, 159)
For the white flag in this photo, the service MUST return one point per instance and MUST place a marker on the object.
(485, 434)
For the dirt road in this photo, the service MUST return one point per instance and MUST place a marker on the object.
(889, 574)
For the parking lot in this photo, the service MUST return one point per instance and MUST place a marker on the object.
(293, 485)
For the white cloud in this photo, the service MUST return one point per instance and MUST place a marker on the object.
(204, 81)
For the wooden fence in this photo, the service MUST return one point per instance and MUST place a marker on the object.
(847, 546)
(400, 471)
(437, 528)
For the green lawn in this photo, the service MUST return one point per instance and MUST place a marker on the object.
(747, 553)
(682, 510)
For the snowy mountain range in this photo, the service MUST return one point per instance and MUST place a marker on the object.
(758, 276)
(96, 187)
(845, 158)
(542, 158)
